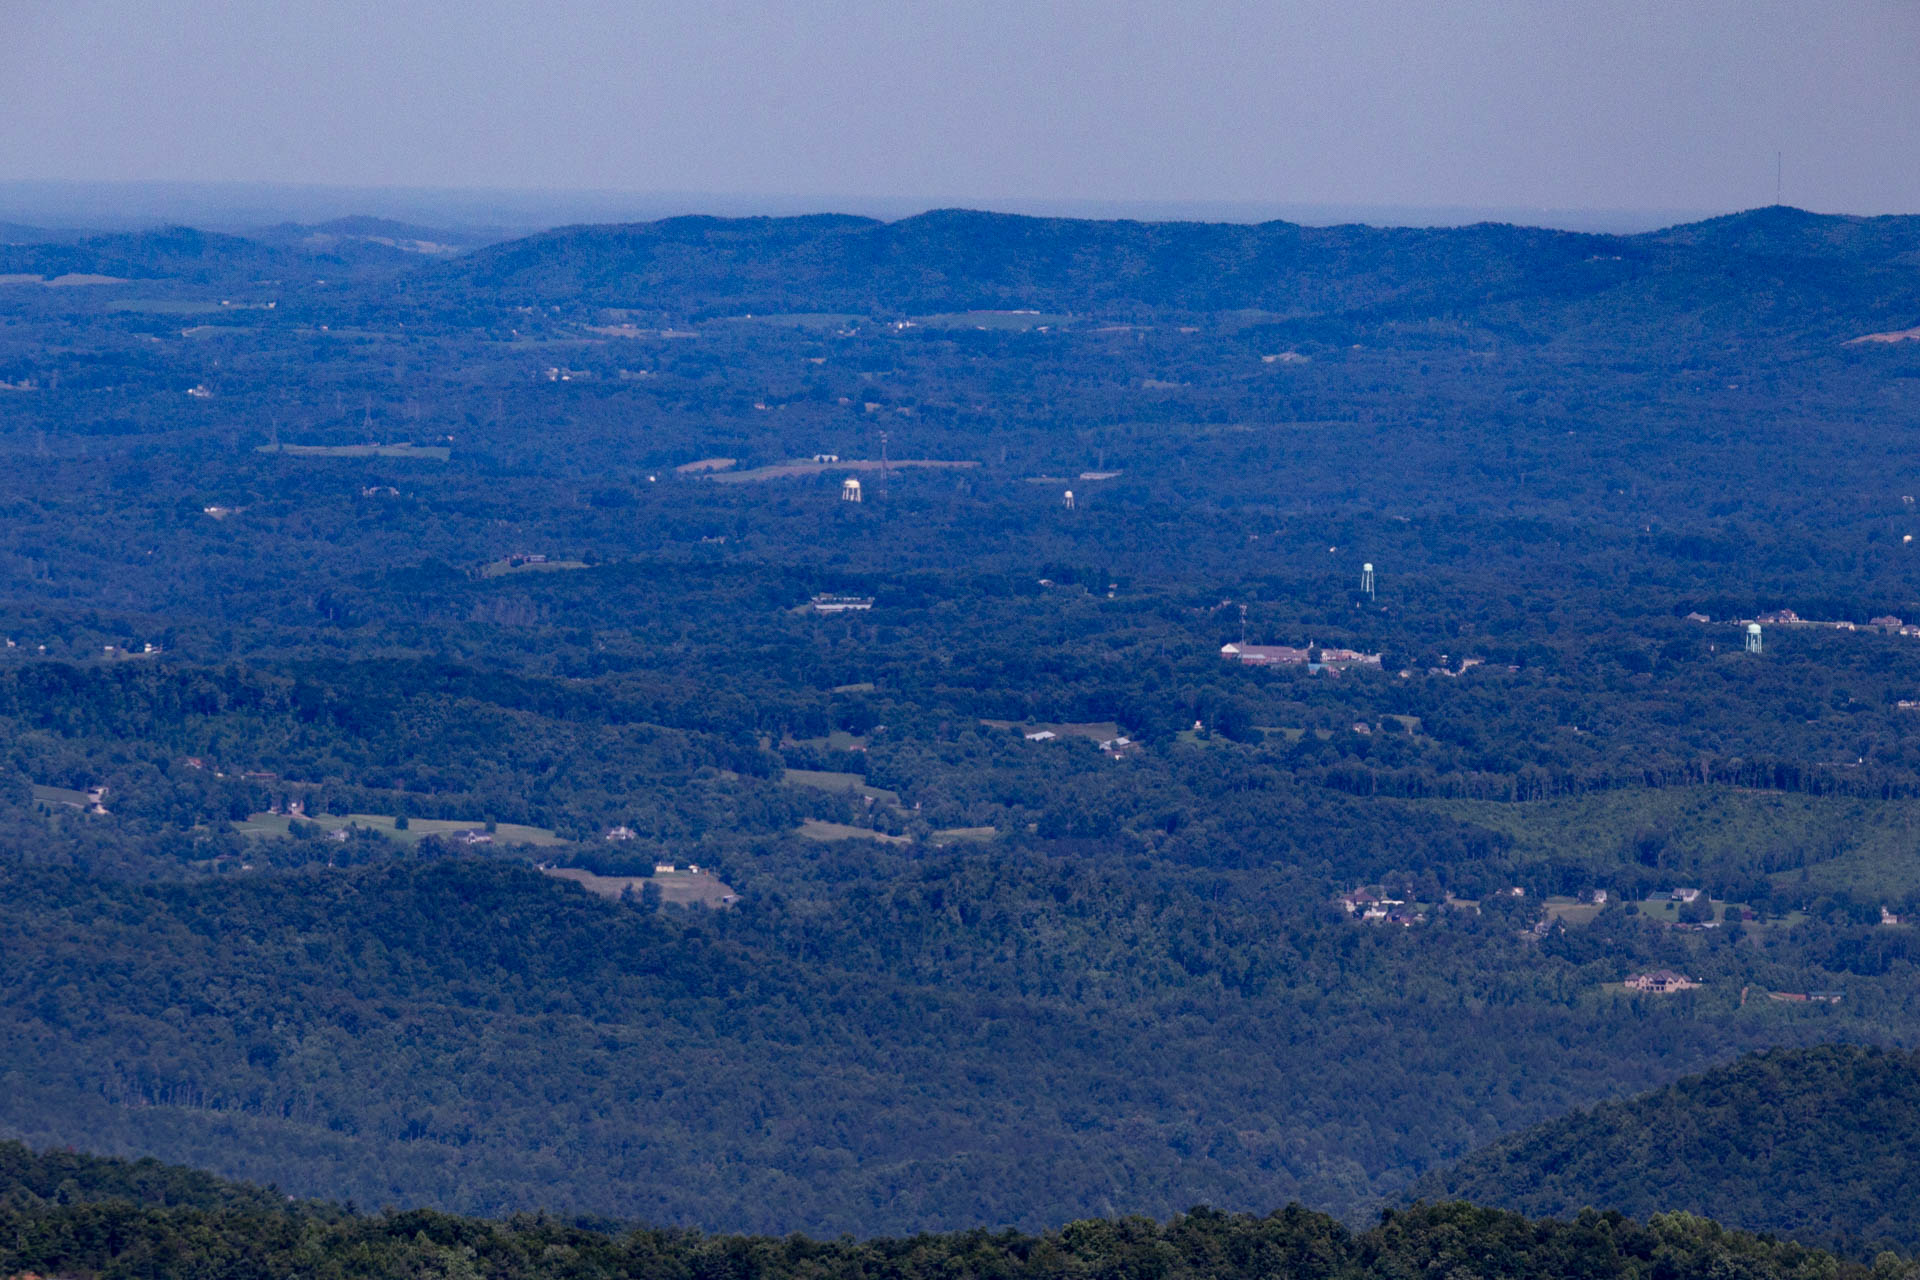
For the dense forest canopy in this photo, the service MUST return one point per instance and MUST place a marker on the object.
(1815, 1145)
(64, 1216)
(355, 579)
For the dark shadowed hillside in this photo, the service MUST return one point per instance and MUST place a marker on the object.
(241, 1232)
(1821, 1145)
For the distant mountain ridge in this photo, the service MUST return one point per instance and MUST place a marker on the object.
(1774, 269)
(1769, 269)
(1819, 1145)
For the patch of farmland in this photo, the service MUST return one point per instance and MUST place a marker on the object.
(815, 829)
(505, 833)
(827, 780)
(437, 452)
(788, 470)
(677, 888)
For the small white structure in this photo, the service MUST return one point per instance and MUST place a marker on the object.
(1069, 499)
(850, 490)
(1366, 579)
(1753, 637)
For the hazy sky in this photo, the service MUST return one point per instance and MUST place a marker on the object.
(1668, 104)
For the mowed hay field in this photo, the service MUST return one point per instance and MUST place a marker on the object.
(677, 888)
(826, 780)
(815, 829)
(277, 824)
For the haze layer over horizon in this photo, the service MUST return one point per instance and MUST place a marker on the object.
(1506, 106)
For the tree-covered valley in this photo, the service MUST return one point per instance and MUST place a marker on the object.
(348, 595)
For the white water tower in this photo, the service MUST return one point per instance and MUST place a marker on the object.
(1069, 499)
(1753, 637)
(850, 490)
(1366, 579)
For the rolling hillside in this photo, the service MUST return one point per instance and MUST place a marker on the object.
(1821, 1145)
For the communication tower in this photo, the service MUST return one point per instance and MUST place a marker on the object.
(1753, 637)
(1069, 499)
(850, 490)
(1366, 579)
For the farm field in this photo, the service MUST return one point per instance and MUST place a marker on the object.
(826, 780)
(1009, 321)
(437, 452)
(800, 319)
(1092, 730)
(417, 829)
(962, 835)
(677, 888)
(501, 568)
(837, 740)
(1835, 842)
(815, 829)
(788, 470)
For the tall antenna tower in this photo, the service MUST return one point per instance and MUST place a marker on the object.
(886, 470)
(1243, 624)
(1366, 579)
(1779, 171)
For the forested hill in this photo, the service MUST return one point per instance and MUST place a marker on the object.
(165, 1224)
(30, 1179)
(1765, 267)
(1821, 1145)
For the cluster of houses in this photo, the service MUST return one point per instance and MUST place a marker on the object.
(827, 602)
(1373, 906)
(1118, 747)
(1314, 659)
(1886, 622)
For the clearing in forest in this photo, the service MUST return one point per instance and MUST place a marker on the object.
(827, 780)
(787, 470)
(437, 452)
(514, 564)
(677, 888)
(504, 833)
(815, 829)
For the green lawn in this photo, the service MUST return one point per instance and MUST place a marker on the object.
(962, 835)
(1092, 730)
(61, 795)
(838, 740)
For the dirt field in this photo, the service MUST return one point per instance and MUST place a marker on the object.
(1897, 335)
(702, 465)
(677, 888)
(787, 470)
